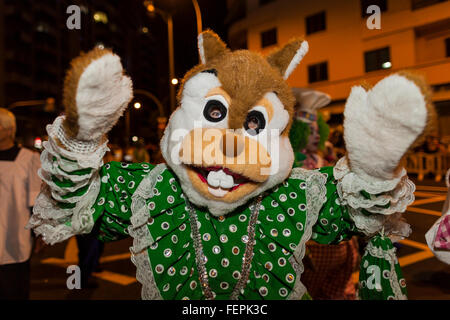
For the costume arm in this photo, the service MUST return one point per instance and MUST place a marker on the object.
(71, 185)
(361, 212)
(80, 192)
(96, 92)
(113, 204)
(374, 215)
(368, 189)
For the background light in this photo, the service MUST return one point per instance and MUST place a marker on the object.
(137, 105)
(150, 6)
(135, 139)
(100, 16)
(386, 65)
(174, 81)
(38, 143)
(144, 30)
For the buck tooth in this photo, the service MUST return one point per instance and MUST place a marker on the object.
(213, 179)
(227, 181)
(220, 179)
(219, 193)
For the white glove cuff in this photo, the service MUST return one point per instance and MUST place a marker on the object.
(355, 182)
(376, 210)
(56, 130)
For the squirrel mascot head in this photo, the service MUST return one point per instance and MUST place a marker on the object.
(228, 141)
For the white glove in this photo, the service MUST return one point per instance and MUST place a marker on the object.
(96, 92)
(381, 124)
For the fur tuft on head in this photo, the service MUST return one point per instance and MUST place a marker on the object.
(286, 59)
(210, 46)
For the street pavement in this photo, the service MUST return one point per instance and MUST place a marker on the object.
(427, 278)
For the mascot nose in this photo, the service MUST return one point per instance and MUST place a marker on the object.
(232, 145)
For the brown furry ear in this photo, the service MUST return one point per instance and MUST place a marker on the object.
(286, 59)
(210, 46)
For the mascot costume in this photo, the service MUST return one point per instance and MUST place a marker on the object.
(227, 217)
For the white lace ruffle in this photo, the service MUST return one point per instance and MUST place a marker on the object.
(386, 197)
(356, 183)
(55, 224)
(49, 220)
(72, 144)
(84, 157)
(142, 237)
(315, 198)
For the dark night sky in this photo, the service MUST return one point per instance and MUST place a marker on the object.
(185, 48)
(213, 17)
(185, 28)
(144, 56)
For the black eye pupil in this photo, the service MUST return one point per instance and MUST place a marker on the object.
(255, 122)
(214, 111)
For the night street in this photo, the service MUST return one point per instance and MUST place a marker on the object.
(243, 150)
(427, 277)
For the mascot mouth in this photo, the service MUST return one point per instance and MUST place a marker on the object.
(220, 180)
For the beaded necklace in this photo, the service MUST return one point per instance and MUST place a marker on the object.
(201, 259)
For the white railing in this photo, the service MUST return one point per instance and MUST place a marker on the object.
(422, 163)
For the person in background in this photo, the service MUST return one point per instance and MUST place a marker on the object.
(336, 138)
(309, 131)
(90, 250)
(329, 268)
(19, 186)
(433, 147)
(138, 153)
(432, 144)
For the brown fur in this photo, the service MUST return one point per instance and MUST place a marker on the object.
(420, 81)
(213, 45)
(281, 58)
(246, 76)
(366, 85)
(196, 153)
(77, 67)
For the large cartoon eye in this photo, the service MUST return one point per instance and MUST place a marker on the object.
(214, 111)
(254, 123)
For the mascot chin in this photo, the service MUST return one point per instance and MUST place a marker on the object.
(227, 217)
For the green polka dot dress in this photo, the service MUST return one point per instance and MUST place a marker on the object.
(279, 229)
(156, 214)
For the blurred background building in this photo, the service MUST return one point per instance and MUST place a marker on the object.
(36, 48)
(414, 34)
